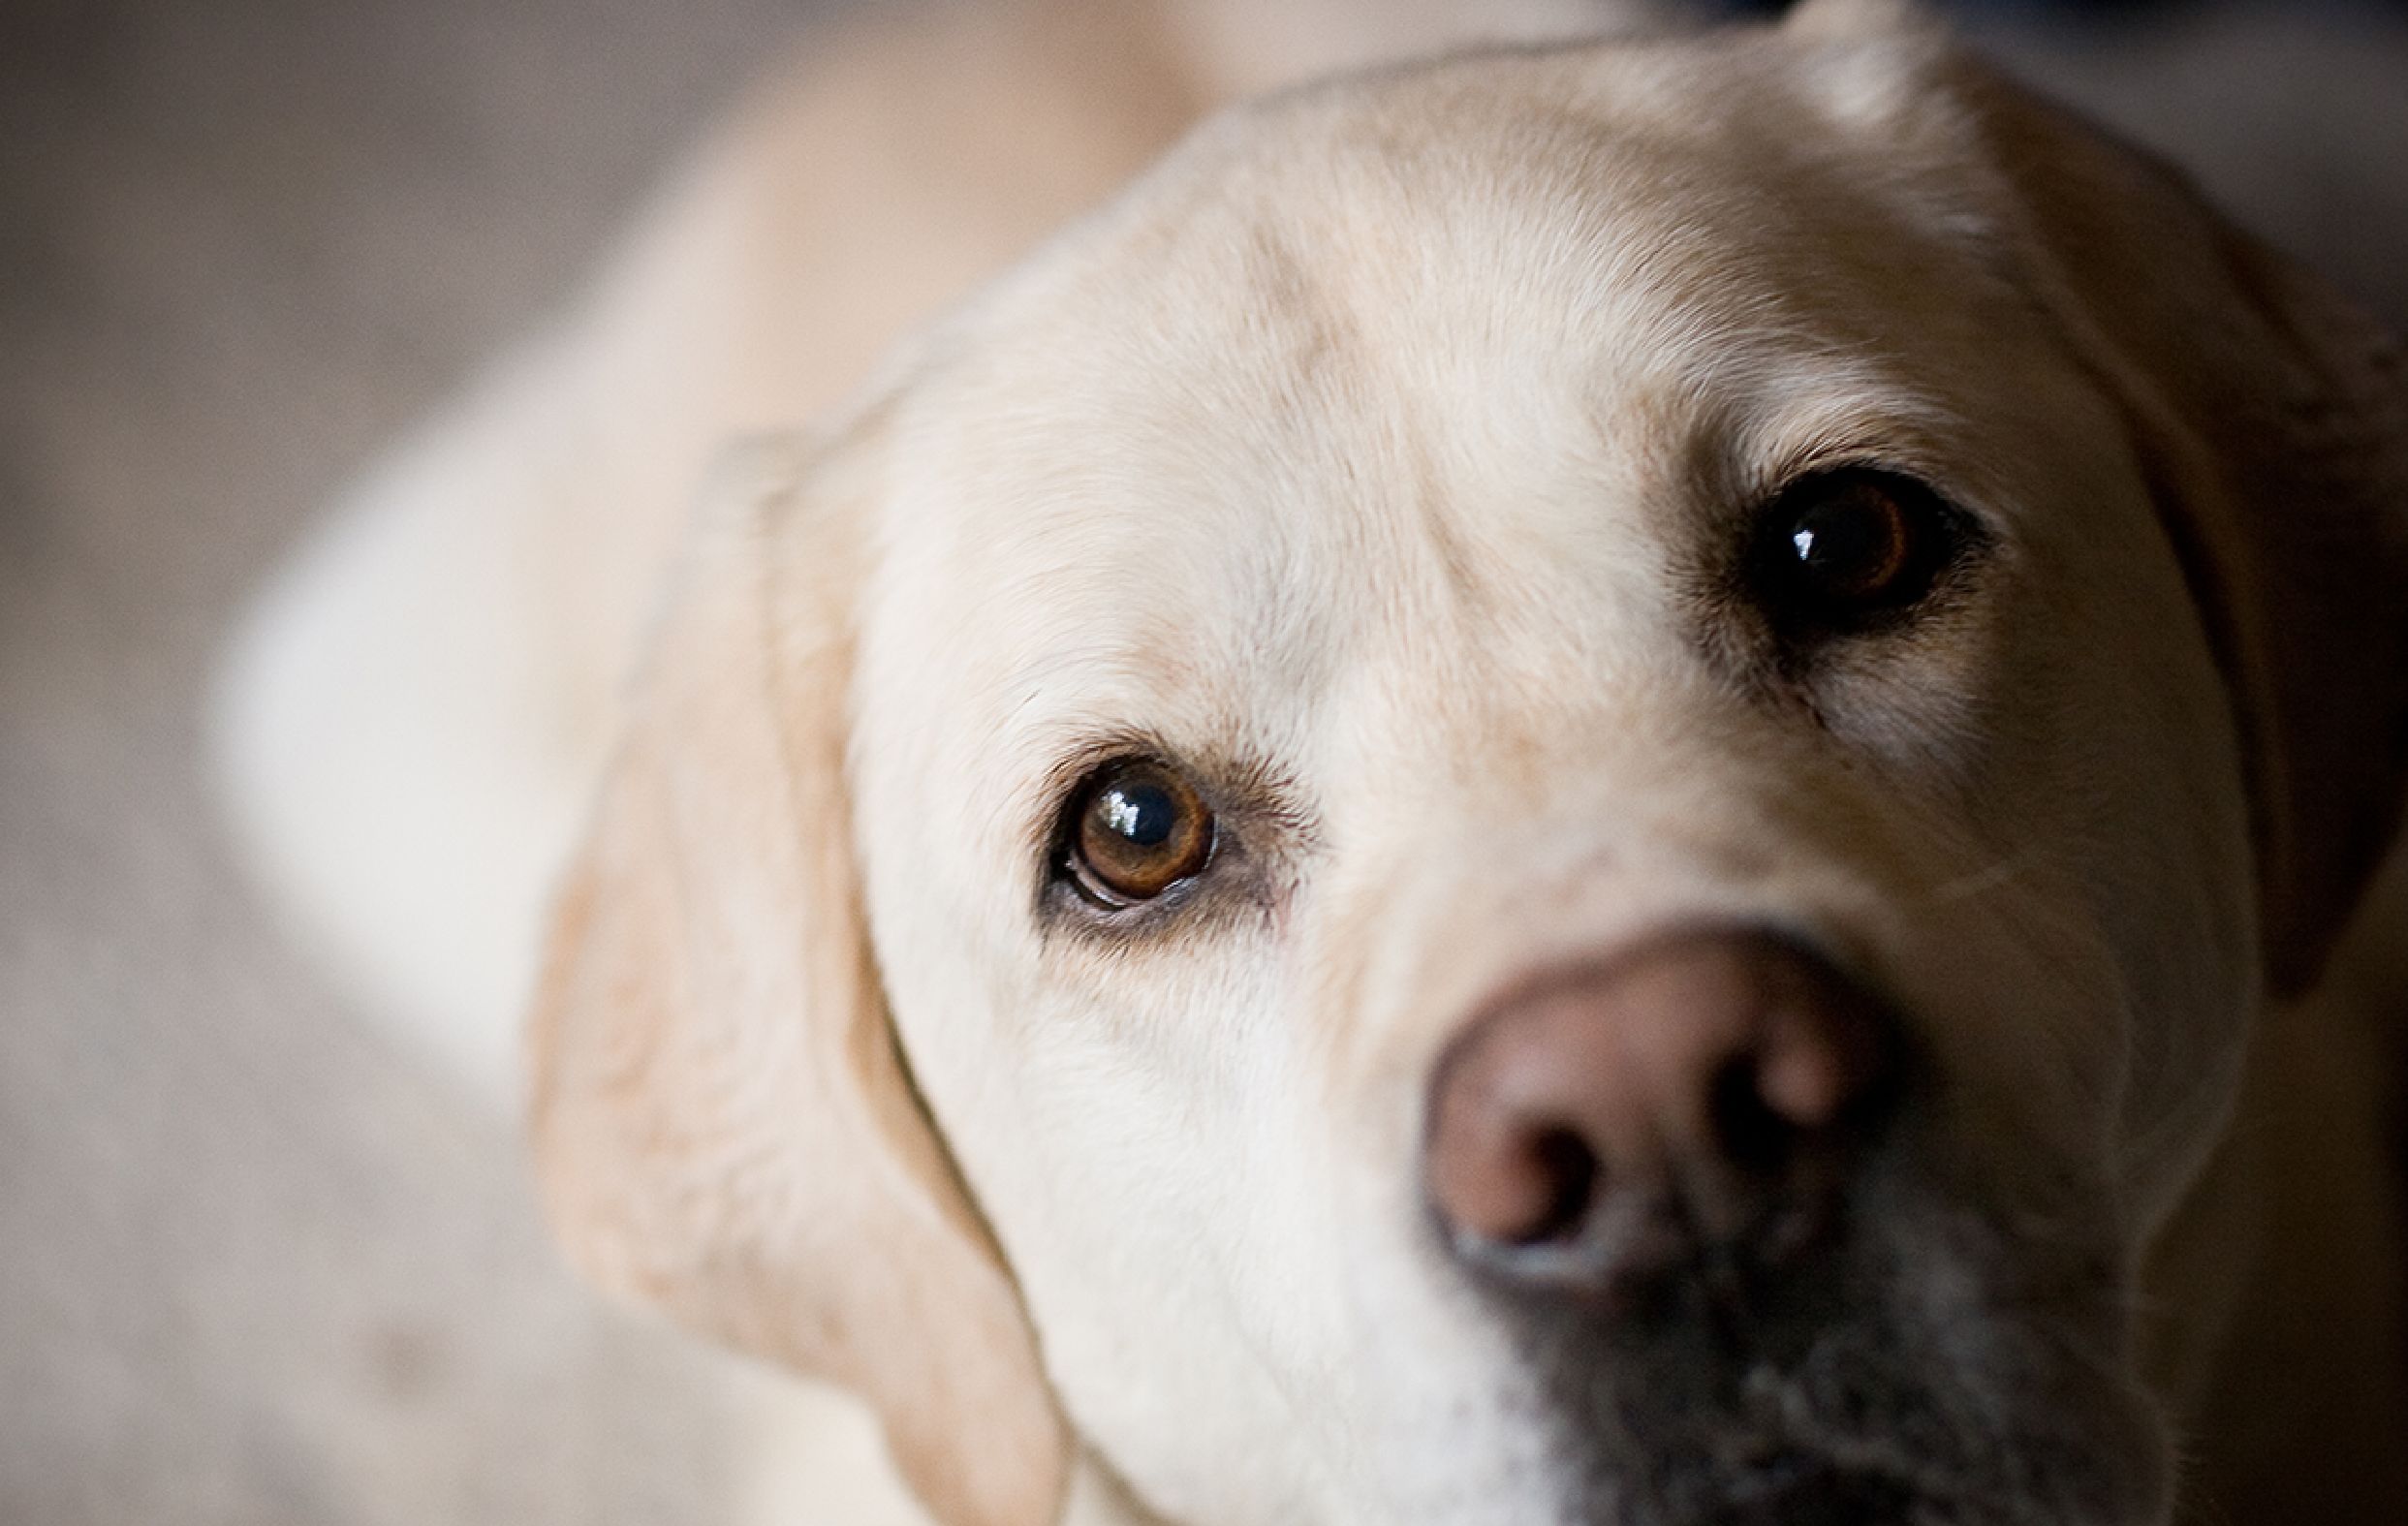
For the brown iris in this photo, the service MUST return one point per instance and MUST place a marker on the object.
(1842, 547)
(1137, 829)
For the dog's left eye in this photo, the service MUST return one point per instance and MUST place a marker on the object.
(1841, 551)
(1135, 829)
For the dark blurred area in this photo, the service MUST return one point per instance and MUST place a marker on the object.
(256, 1265)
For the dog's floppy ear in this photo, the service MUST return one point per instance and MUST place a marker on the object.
(724, 1127)
(2273, 418)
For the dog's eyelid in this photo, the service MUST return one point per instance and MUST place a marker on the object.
(1909, 441)
(1831, 461)
(1233, 783)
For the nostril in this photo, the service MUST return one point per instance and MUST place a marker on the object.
(1528, 1183)
(1567, 1169)
(1750, 1131)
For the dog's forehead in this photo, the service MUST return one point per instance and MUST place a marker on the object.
(1360, 374)
(1631, 213)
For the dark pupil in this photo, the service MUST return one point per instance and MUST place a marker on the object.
(1141, 814)
(1845, 541)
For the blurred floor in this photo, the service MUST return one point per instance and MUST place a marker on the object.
(255, 1266)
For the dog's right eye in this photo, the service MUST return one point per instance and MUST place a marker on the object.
(1845, 551)
(1135, 829)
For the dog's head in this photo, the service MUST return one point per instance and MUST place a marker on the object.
(1555, 790)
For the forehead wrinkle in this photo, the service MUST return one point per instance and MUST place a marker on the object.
(1290, 299)
(1217, 664)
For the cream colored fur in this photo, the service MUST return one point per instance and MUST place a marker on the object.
(1361, 443)
(435, 677)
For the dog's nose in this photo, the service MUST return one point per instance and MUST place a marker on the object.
(1704, 1092)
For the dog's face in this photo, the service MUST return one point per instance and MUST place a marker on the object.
(1559, 775)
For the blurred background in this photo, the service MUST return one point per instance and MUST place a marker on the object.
(257, 1263)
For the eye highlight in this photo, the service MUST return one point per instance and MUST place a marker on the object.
(1135, 829)
(1840, 552)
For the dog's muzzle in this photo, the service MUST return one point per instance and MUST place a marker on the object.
(1701, 1185)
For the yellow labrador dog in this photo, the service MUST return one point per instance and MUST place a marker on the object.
(1582, 786)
